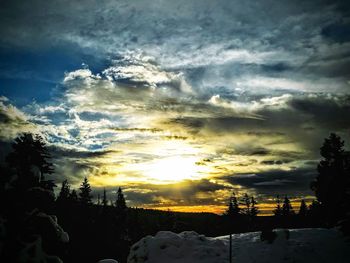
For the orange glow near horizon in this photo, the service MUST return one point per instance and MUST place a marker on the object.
(266, 209)
(192, 209)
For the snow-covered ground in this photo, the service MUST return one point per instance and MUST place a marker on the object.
(299, 246)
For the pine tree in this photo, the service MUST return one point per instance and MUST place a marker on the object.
(314, 209)
(332, 184)
(254, 211)
(246, 202)
(303, 208)
(120, 202)
(29, 199)
(104, 198)
(63, 196)
(233, 209)
(85, 192)
(287, 209)
(98, 199)
(30, 150)
(73, 196)
(278, 210)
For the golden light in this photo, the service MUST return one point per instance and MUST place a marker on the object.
(172, 161)
(173, 169)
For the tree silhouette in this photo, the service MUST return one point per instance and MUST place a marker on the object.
(246, 205)
(29, 200)
(332, 184)
(254, 211)
(287, 209)
(30, 159)
(30, 153)
(85, 192)
(303, 208)
(278, 210)
(233, 209)
(73, 196)
(249, 208)
(64, 193)
(104, 198)
(120, 203)
(98, 199)
(315, 210)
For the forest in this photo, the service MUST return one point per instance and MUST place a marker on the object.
(76, 226)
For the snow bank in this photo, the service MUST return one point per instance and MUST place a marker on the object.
(52, 222)
(299, 245)
(186, 247)
(33, 252)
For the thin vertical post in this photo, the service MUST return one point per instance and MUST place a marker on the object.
(230, 254)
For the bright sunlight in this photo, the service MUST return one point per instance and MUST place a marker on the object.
(172, 169)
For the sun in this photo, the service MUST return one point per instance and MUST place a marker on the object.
(165, 162)
(173, 169)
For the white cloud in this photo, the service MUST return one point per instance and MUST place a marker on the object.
(77, 74)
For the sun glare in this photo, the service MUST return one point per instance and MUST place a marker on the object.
(172, 169)
(172, 161)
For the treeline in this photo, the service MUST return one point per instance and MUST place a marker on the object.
(35, 226)
(330, 208)
(242, 213)
(99, 227)
(84, 196)
(247, 207)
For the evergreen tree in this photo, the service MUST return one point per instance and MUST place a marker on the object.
(233, 209)
(63, 196)
(287, 209)
(120, 202)
(104, 198)
(332, 184)
(246, 202)
(73, 196)
(85, 192)
(98, 199)
(29, 200)
(278, 210)
(314, 209)
(254, 211)
(303, 208)
(30, 151)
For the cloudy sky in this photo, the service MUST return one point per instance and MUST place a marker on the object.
(178, 102)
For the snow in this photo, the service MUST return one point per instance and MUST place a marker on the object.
(186, 247)
(298, 246)
(61, 234)
(33, 252)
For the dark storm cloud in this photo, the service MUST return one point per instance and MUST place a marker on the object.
(276, 162)
(338, 31)
(226, 42)
(311, 114)
(71, 169)
(74, 153)
(295, 182)
(326, 110)
(218, 27)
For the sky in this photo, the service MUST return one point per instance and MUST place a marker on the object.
(180, 103)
